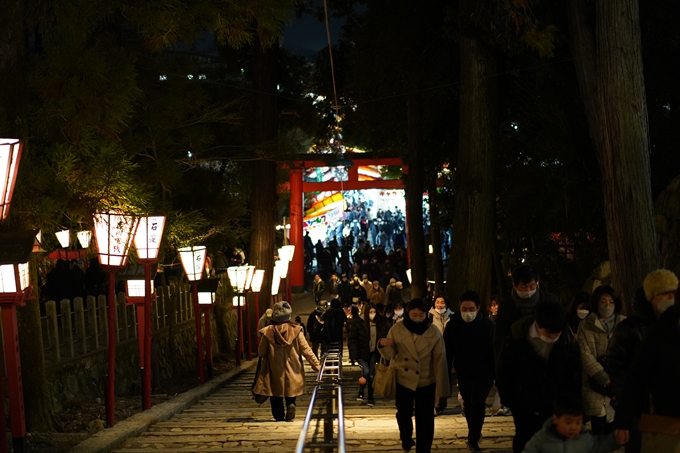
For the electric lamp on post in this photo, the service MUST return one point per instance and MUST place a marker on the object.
(84, 237)
(256, 287)
(147, 243)
(287, 255)
(64, 238)
(193, 262)
(238, 277)
(249, 279)
(276, 283)
(113, 232)
(15, 289)
(10, 155)
(207, 290)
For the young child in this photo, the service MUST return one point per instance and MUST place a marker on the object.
(565, 432)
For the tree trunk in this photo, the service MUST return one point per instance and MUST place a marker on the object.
(414, 197)
(13, 102)
(609, 68)
(471, 252)
(436, 239)
(263, 193)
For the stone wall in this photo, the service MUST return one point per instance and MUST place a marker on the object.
(667, 220)
(173, 353)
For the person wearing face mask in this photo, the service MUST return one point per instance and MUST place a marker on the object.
(398, 312)
(649, 303)
(524, 298)
(593, 339)
(651, 395)
(416, 350)
(440, 315)
(538, 361)
(469, 350)
(376, 294)
(367, 285)
(577, 311)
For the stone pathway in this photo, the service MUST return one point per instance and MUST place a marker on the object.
(230, 421)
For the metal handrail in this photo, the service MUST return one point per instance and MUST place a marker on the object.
(330, 386)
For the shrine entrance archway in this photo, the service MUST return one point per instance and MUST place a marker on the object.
(298, 187)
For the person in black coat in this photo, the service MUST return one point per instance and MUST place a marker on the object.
(315, 327)
(538, 362)
(656, 371)
(358, 293)
(524, 298)
(469, 350)
(649, 303)
(358, 345)
(334, 320)
(345, 291)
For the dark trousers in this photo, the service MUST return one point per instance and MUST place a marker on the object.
(527, 424)
(278, 410)
(599, 425)
(474, 392)
(423, 398)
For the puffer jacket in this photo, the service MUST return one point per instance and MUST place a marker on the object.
(376, 295)
(547, 440)
(593, 341)
(282, 372)
(656, 371)
(627, 339)
(358, 340)
(440, 320)
(526, 382)
(469, 346)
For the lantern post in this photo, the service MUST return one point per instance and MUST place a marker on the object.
(64, 238)
(15, 289)
(113, 232)
(207, 290)
(276, 283)
(193, 261)
(10, 155)
(256, 287)
(238, 276)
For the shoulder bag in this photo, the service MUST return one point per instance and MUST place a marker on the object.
(385, 379)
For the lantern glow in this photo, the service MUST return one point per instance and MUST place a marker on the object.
(10, 154)
(258, 278)
(148, 237)
(84, 237)
(193, 261)
(64, 238)
(114, 233)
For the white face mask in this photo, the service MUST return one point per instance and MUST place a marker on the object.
(525, 294)
(468, 316)
(582, 314)
(549, 340)
(665, 304)
(606, 310)
(441, 311)
(371, 316)
(399, 313)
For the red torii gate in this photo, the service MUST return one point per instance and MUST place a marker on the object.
(297, 187)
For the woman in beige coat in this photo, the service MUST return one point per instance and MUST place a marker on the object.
(282, 373)
(416, 349)
(593, 337)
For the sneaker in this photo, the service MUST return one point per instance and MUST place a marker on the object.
(473, 446)
(371, 402)
(290, 413)
(360, 396)
(438, 411)
(407, 445)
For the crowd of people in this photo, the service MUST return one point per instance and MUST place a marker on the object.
(555, 368)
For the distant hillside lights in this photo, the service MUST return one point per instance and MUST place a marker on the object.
(164, 77)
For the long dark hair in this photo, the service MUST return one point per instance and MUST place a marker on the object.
(599, 291)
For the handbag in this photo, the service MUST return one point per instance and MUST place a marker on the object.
(385, 379)
(259, 399)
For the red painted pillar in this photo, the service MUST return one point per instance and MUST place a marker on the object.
(14, 381)
(146, 381)
(297, 269)
(199, 333)
(111, 370)
(208, 343)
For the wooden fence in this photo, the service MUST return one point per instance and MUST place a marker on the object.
(81, 327)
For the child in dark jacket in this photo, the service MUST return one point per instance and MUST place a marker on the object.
(566, 433)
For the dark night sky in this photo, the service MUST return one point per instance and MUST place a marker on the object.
(306, 35)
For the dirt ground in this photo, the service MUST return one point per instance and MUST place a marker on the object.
(83, 418)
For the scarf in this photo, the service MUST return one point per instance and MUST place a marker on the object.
(417, 328)
(525, 306)
(609, 323)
